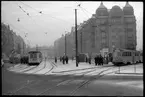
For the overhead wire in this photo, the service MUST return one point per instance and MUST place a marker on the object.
(24, 32)
(28, 14)
(89, 19)
(42, 13)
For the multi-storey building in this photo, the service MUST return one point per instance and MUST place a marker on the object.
(105, 30)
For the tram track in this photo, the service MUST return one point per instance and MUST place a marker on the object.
(28, 84)
(41, 68)
(62, 81)
(65, 81)
(99, 75)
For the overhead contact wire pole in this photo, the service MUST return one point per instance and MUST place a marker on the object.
(76, 38)
(65, 46)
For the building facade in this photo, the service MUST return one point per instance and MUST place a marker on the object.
(105, 30)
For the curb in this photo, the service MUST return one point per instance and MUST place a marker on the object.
(123, 77)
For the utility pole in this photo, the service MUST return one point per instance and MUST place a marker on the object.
(76, 38)
(23, 48)
(81, 42)
(65, 45)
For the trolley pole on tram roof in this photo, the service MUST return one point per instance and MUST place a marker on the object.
(76, 38)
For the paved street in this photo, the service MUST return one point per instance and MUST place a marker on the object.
(96, 81)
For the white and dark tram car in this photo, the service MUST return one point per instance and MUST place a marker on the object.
(34, 57)
(123, 56)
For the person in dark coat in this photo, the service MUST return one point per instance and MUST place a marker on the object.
(55, 60)
(95, 60)
(101, 60)
(66, 59)
(89, 60)
(86, 59)
(63, 59)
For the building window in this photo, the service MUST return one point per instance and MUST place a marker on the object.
(130, 30)
(103, 35)
(103, 45)
(103, 40)
(113, 43)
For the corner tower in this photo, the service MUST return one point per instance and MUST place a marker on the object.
(101, 29)
(130, 27)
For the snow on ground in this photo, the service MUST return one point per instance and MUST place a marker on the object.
(46, 69)
(138, 84)
(15, 66)
(70, 68)
(25, 69)
(18, 67)
(131, 69)
(42, 64)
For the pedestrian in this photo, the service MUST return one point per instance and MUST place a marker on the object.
(96, 60)
(63, 59)
(66, 59)
(107, 59)
(24, 59)
(101, 60)
(55, 60)
(86, 59)
(90, 60)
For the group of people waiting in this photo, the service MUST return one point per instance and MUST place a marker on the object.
(98, 60)
(64, 59)
(24, 60)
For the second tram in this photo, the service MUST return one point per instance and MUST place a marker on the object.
(123, 56)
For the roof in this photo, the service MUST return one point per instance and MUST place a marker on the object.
(127, 5)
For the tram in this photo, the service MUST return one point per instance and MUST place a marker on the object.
(34, 57)
(123, 56)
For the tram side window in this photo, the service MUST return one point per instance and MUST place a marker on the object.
(135, 54)
(39, 55)
(124, 54)
(31, 55)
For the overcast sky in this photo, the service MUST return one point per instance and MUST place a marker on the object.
(56, 18)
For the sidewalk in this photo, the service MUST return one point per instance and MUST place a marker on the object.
(71, 66)
(136, 70)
